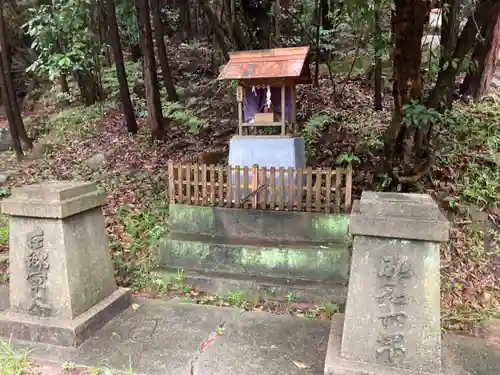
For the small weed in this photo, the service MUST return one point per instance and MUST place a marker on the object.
(180, 274)
(69, 366)
(328, 309)
(237, 299)
(5, 192)
(292, 298)
(13, 361)
(4, 236)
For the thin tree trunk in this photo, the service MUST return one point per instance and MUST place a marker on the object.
(162, 53)
(9, 90)
(449, 33)
(378, 58)
(63, 82)
(114, 36)
(318, 52)
(408, 22)
(465, 43)
(477, 83)
(277, 19)
(151, 79)
(16, 142)
(217, 28)
(186, 20)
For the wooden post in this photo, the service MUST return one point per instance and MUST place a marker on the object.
(294, 108)
(255, 184)
(239, 98)
(283, 92)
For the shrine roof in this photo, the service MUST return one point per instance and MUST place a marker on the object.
(282, 63)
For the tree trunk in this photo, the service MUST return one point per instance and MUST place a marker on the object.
(16, 142)
(484, 10)
(217, 28)
(378, 58)
(325, 14)
(450, 24)
(257, 13)
(89, 88)
(103, 31)
(63, 82)
(408, 22)
(162, 53)
(150, 79)
(9, 91)
(114, 40)
(318, 51)
(186, 20)
(477, 83)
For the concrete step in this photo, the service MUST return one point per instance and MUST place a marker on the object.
(326, 262)
(258, 224)
(268, 288)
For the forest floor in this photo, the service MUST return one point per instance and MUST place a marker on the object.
(339, 124)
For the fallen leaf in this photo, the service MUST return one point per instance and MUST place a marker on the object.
(135, 306)
(301, 365)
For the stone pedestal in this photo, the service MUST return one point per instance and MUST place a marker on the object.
(392, 319)
(62, 286)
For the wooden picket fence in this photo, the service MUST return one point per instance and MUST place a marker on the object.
(286, 189)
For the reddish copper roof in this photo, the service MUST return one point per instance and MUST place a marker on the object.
(270, 63)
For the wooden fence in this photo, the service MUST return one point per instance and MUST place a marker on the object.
(301, 189)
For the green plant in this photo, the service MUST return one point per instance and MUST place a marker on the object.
(328, 308)
(177, 112)
(4, 235)
(5, 192)
(62, 37)
(312, 130)
(146, 228)
(13, 361)
(346, 159)
(237, 299)
(135, 257)
(292, 298)
(417, 115)
(111, 85)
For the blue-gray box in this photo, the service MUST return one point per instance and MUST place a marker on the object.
(277, 152)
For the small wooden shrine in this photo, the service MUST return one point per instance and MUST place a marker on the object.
(266, 95)
(266, 91)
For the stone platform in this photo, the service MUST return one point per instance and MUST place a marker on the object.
(164, 338)
(264, 252)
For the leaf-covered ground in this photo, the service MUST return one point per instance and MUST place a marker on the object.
(338, 124)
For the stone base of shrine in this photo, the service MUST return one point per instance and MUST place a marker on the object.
(64, 332)
(336, 365)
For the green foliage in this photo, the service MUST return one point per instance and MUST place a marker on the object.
(417, 115)
(62, 38)
(144, 229)
(346, 159)
(126, 17)
(79, 120)
(313, 128)
(111, 85)
(13, 361)
(4, 235)
(177, 112)
(475, 149)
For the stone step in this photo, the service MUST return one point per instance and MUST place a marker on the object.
(258, 224)
(270, 289)
(285, 260)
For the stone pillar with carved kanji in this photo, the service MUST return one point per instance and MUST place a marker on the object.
(62, 285)
(392, 318)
